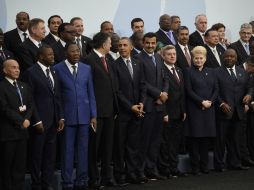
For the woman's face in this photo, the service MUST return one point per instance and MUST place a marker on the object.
(221, 33)
(199, 60)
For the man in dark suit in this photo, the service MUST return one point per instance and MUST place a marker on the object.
(242, 46)
(183, 50)
(47, 118)
(27, 51)
(53, 23)
(137, 43)
(66, 33)
(131, 94)
(83, 42)
(13, 38)
(197, 37)
(234, 94)
(15, 113)
(165, 35)
(174, 115)
(107, 107)
(157, 88)
(107, 27)
(79, 104)
(4, 54)
(213, 57)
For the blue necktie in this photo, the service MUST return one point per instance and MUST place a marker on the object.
(19, 92)
(74, 72)
(154, 61)
(232, 74)
(171, 37)
(246, 46)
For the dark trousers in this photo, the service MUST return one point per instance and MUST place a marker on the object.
(151, 134)
(43, 151)
(13, 165)
(198, 151)
(75, 135)
(169, 149)
(228, 136)
(127, 136)
(101, 140)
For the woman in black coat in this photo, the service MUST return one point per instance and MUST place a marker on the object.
(201, 92)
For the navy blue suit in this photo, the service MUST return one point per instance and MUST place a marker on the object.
(48, 110)
(229, 128)
(79, 107)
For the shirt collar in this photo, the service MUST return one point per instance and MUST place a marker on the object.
(69, 65)
(149, 54)
(56, 37)
(10, 80)
(34, 41)
(43, 67)
(98, 53)
(21, 32)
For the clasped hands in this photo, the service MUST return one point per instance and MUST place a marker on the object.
(162, 99)
(206, 104)
(138, 109)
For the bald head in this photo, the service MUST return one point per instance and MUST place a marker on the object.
(11, 69)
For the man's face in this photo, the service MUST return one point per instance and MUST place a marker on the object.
(107, 45)
(11, 69)
(212, 39)
(54, 24)
(175, 23)
(201, 24)
(22, 21)
(39, 31)
(69, 33)
(114, 43)
(73, 54)
(138, 27)
(169, 56)
(107, 28)
(165, 22)
(47, 57)
(229, 58)
(183, 37)
(150, 44)
(124, 47)
(78, 24)
(245, 34)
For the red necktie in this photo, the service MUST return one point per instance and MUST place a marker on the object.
(103, 60)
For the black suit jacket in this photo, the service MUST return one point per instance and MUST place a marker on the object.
(11, 118)
(232, 93)
(27, 54)
(241, 53)
(130, 91)
(196, 40)
(49, 39)
(12, 41)
(47, 102)
(175, 105)
(86, 45)
(163, 38)
(59, 54)
(181, 60)
(211, 60)
(155, 78)
(104, 85)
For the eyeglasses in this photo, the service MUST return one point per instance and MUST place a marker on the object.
(246, 33)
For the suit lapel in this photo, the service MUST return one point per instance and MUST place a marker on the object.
(43, 76)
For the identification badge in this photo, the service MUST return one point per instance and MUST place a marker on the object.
(22, 108)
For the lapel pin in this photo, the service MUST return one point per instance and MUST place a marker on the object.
(239, 74)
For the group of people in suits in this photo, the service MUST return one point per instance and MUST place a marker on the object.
(132, 110)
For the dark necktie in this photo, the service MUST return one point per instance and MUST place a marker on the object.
(74, 72)
(232, 74)
(103, 60)
(153, 59)
(49, 79)
(79, 45)
(2, 55)
(174, 74)
(128, 62)
(25, 36)
(19, 92)
(39, 45)
(187, 56)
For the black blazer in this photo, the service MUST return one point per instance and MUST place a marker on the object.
(86, 45)
(104, 85)
(130, 91)
(211, 60)
(163, 38)
(59, 54)
(175, 105)
(155, 78)
(232, 93)
(27, 54)
(241, 53)
(11, 118)
(49, 39)
(196, 40)
(181, 60)
(12, 41)
(47, 102)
